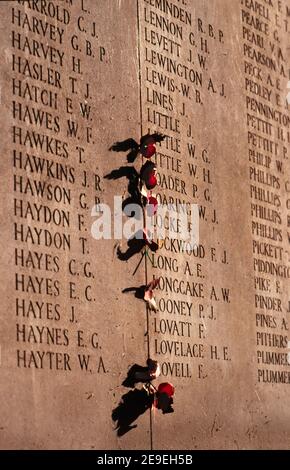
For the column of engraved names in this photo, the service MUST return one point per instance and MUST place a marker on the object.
(44, 180)
(85, 53)
(268, 122)
(176, 82)
(41, 203)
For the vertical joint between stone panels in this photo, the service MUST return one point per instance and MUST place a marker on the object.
(145, 257)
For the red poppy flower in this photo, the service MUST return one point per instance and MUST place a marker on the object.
(149, 295)
(150, 373)
(153, 368)
(148, 174)
(148, 150)
(151, 181)
(166, 388)
(147, 144)
(163, 398)
(152, 206)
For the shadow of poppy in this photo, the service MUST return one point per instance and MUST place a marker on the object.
(133, 184)
(127, 145)
(139, 292)
(135, 246)
(133, 404)
(135, 374)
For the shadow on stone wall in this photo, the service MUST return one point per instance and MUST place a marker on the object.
(137, 401)
(132, 405)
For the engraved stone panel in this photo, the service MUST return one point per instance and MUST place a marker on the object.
(76, 77)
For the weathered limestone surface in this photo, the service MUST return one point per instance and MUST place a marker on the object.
(77, 76)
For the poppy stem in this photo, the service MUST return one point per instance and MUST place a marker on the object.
(138, 264)
(147, 254)
(153, 386)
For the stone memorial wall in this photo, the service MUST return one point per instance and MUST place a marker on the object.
(212, 76)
